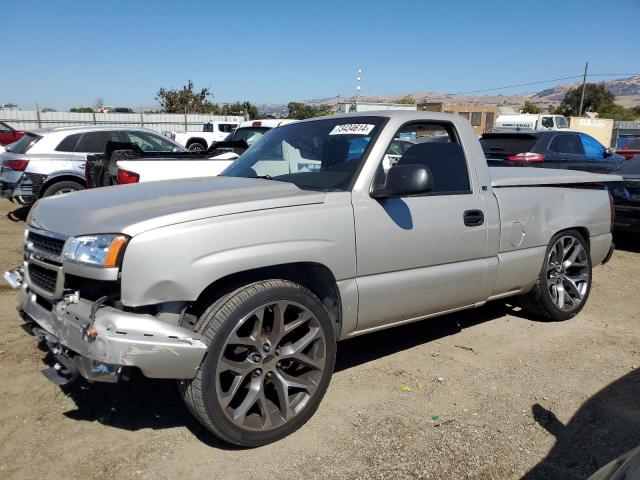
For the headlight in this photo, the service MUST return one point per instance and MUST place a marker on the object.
(98, 250)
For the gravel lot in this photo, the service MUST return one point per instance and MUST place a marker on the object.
(484, 394)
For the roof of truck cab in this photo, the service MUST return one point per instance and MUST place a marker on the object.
(266, 123)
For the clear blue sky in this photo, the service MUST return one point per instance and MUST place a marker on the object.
(63, 54)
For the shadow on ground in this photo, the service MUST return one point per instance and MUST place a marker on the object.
(629, 242)
(19, 214)
(145, 403)
(605, 427)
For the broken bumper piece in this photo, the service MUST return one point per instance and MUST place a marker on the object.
(117, 339)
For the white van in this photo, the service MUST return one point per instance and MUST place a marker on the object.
(530, 121)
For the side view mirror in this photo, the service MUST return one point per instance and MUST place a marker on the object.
(405, 181)
(608, 152)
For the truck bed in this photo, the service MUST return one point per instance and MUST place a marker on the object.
(531, 176)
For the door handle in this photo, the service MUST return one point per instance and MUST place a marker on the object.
(473, 218)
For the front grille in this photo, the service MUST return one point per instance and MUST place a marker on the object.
(46, 244)
(43, 277)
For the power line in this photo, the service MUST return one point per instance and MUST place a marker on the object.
(546, 81)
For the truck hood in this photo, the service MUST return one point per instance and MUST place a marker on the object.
(132, 209)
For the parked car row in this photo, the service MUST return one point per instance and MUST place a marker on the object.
(549, 149)
(46, 162)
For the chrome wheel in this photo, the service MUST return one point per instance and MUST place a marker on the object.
(270, 365)
(65, 190)
(567, 273)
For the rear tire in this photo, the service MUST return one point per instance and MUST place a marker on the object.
(271, 355)
(65, 186)
(564, 282)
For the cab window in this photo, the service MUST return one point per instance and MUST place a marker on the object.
(565, 144)
(592, 148)
(547, 122)
(435, 146)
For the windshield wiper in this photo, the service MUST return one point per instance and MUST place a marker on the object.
(269, 177)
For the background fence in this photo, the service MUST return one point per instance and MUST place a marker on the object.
(160, 122)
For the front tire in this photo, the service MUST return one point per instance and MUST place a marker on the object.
(58, 188)
(270, 359)
(197, 147)
(564, 283)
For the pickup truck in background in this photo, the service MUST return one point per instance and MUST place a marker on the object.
(239, 285)
(199, 141)
(123, 163)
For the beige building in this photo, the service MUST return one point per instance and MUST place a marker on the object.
(599, 128)
(482, 117)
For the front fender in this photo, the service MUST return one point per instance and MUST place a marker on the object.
(178, 262)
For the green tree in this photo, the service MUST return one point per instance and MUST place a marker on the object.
(617, 112)
(186, 100)
(596, 97)
(81, 110)
(407, 101)
(530, 107)
(244, 108)
(300, 111)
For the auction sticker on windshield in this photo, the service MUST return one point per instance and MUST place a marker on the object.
(352, 129)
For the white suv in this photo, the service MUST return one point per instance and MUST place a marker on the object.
(51, 161)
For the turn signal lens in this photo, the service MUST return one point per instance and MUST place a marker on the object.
(113, 254)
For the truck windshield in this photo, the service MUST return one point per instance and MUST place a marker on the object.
(322, 154)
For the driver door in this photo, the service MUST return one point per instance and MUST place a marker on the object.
(426, 254)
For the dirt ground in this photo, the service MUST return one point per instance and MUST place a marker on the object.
(484, 394)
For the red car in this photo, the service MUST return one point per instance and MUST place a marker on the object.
(8, 134)
(631, 149)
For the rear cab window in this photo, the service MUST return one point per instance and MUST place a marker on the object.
(226, 127)
(250, 134)
(24, 144)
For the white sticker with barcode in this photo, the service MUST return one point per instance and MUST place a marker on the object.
(352, 129)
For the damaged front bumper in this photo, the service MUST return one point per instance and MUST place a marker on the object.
(116, 339)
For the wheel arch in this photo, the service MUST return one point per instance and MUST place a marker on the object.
(318, 278)
(61, 177)
(584, 231)
(193, 140)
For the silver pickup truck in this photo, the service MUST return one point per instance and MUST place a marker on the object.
(240, 285)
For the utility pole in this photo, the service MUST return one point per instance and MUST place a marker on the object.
(354, 106)
(584, 86)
